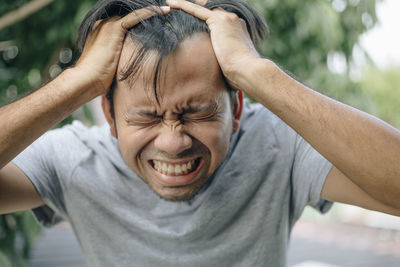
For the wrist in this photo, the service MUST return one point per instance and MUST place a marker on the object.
(84, 84)
(72, 89)
(258, 76)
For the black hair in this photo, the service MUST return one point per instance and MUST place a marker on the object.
(163, 33)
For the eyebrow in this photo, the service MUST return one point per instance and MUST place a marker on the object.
(201, 108)
(191, 109)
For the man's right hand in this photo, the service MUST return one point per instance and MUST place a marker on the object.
(23, 121)
(99, 60)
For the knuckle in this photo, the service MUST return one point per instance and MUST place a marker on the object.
(225, 17)
(243, 23)
(96, 24)
(233, 16)
(229, 17)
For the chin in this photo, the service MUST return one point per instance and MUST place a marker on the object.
(179, 193)
(177, 198)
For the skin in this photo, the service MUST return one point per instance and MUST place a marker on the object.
(25, 120)
(194, 120)
(363, 149)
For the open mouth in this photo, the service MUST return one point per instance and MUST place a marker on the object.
(175, 169)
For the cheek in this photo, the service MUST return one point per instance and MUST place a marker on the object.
(222, 141)
(215, 136)
(221, 138)
(131, 142)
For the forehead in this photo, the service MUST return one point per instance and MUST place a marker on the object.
(190, 71)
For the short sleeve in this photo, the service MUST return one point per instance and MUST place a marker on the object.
(37, 162)
(309, 172)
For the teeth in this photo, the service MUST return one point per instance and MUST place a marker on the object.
(173, 169)
(178, 169)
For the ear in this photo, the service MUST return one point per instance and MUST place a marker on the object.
(105, 104)
(237, 110)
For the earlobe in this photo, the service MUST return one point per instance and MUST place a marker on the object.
(237, 110)
(109, 114)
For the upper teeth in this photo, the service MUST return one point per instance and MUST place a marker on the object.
(173, 169)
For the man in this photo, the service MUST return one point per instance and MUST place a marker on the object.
(174, 179)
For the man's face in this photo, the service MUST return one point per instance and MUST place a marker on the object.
(176, 145)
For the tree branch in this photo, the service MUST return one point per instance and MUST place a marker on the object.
(23, 12)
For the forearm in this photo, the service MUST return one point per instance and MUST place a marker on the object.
(22, 122)
(363, 147)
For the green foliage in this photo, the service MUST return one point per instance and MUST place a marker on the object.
(17, 234)
(383, 87)
(42, 45)
(304, 34)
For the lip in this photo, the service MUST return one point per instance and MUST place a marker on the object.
(178, 180)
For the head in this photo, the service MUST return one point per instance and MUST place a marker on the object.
(169, 105)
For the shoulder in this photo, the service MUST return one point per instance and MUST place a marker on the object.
(76, 134)
(262, 139)
(70, 143)
(258, 121)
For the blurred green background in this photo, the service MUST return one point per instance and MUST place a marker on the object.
(309, 39)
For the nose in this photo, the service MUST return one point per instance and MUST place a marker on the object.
(172, 139)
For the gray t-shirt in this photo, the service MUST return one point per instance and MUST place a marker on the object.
(241, 217)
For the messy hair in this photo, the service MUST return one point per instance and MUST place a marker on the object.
(162, 34)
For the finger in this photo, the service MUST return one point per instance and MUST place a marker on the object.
(243, 23)
(193, 9)
(100, 23)
(244, 26)
(201, 2)
(139, 15)
(97, 23)
(95, 30)
(222, 11)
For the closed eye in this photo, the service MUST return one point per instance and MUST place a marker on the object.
(201, 116)
(144, 121)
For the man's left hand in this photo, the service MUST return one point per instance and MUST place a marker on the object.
(230, 39)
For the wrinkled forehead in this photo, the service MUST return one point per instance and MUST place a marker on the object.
(192, 65)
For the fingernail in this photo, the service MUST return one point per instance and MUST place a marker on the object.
(173, 2)
(165, 8)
